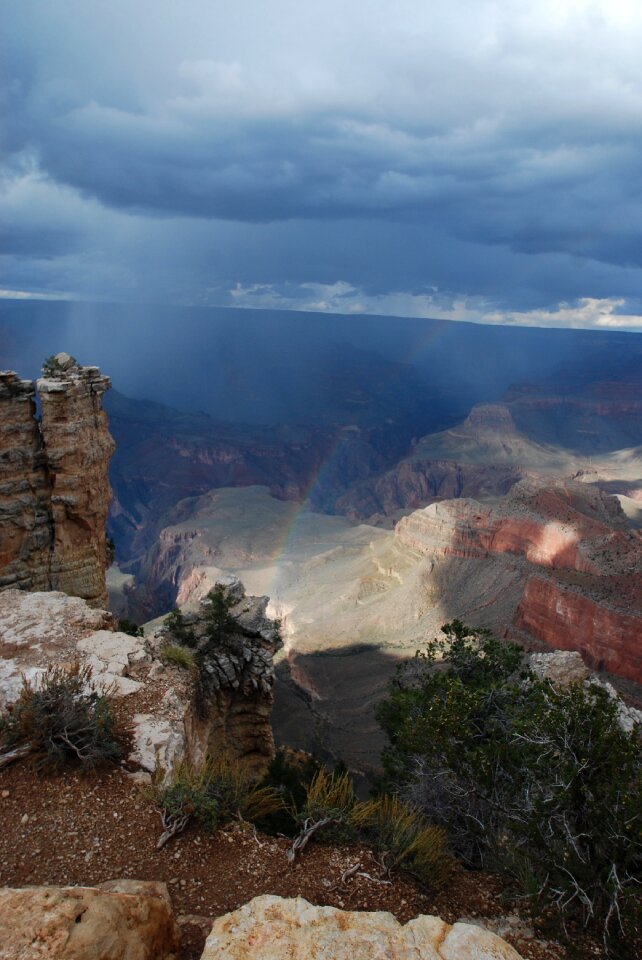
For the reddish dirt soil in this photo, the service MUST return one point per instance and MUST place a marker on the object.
(83, 829)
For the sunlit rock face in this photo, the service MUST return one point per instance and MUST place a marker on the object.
(126, 918)
(561, 526)
(54, 489)
(577, 567)
(276, 928)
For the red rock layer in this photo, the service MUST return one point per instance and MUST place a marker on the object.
(565, 619)
(587, 595)
(466, 529)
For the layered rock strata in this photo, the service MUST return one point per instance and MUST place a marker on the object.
(54, 489)
(571, 567)
(237, 677)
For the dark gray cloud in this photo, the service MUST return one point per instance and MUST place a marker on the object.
(481, 160)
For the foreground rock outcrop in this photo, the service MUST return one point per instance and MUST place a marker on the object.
(54, 489)
(272, 928)
(173, 716)
(125, 920)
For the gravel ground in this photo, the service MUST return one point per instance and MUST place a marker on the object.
(86, 829)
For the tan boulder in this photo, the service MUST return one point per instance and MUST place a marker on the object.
(272, 928)
(129, 920)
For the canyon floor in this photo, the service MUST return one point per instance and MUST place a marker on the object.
(86, 829)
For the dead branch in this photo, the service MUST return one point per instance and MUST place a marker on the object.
(307, 832)
(171, 826)
(369, 876)
(18, 753)
(350, 872)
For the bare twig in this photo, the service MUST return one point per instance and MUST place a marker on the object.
(369, 876)
(18, 753)
(308, 831)
(350, 872)
(171, 826)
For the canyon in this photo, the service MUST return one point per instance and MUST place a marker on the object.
(521, 517)
(355, 552)
(488, 521)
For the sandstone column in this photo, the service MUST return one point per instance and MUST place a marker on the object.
(54, 487)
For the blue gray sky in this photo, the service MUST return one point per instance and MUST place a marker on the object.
(476, 159)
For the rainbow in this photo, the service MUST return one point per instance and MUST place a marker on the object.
(290, 531)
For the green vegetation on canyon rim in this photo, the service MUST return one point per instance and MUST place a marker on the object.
(537, 781)
(61, 717)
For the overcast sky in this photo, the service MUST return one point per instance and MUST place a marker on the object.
(469, 159)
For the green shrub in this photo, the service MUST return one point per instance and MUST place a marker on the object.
(186, 796)
(51, 366)
(290, 774)
(535, 780)
(240, 795)
(329, 796)
(180, 631)
(62, 717)
(220, 624)
(128, 626)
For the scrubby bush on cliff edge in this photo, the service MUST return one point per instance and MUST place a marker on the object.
(535, 780)
(61, 717)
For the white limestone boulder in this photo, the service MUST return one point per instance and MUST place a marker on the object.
(273, 928)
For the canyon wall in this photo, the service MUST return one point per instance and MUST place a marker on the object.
(565, 618)
(573, 568)
(54, 488)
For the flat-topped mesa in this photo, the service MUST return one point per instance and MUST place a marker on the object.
(54, 488)
(490, 418)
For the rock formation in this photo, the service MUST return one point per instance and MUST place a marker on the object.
(563, 552)
(237, 676)
(273, 928)
(123, 920)
(54, 490)
(562, 616)
(172, 718)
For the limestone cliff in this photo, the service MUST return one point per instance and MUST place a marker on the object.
(54, 490)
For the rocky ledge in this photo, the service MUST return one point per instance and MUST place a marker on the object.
(158, 701)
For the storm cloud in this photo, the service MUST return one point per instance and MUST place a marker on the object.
(476, 160)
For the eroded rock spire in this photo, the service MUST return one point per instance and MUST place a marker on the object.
(54, 487)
